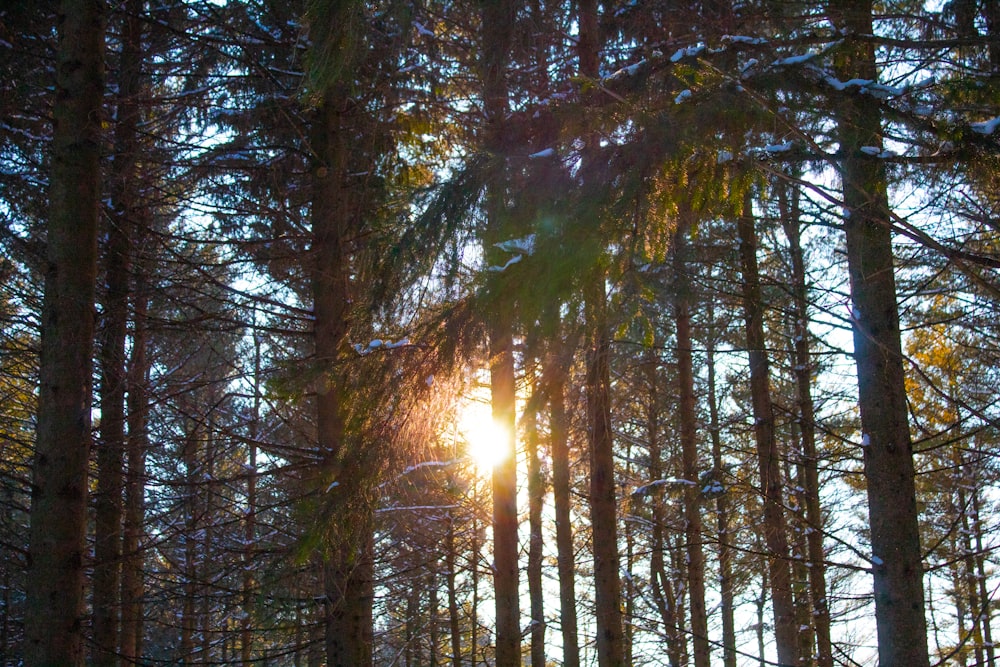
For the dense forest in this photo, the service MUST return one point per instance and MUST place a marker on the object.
(414, 332)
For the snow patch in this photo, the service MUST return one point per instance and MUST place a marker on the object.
(986, 127)
(524, 245)
(689, 52)
(500, 269)
(794, 60)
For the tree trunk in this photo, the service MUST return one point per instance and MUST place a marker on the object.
(689, 445)
(561, 496)
(888, 451)
(536, 496)
(250, 523)
(603, 503)
(660, 585)
(454, 621)
(497, 38)
(189, 572)
(111, 443)
(807, 428)
(977, 531)
(349, 581)
(135, 479)
(768, 456)
(348, 570)
(726, 594)
(432, 618)
(54, 605)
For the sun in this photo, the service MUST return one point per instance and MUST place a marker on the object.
(487, 441)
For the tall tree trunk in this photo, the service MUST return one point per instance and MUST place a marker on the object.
(135, 476)
(454, 621)
(977, 531)
(189, 573)
(976, 607)
(689, 445)
(205, 574)
(761, 604)
(250, 523)
(474, 611)
(347, 573)
(410, 626)
(603, 504)
(726, 593)
(888, 451)
(432, 618)
(562, 499)
(111, 443)
(536, 496)
(54, 605)
(789, 211)
(678, 566)
(348, 569)
(660, 585)
(768, 456)
(497, 38)
(349, 582)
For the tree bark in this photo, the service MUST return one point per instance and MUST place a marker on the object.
(54, 605)
(135, 476)
(117, 261)
(454, 621)
(561, 497)
(888, 451)
(250, 523)
(689, 445)
(768, 456)
(497, 38)
(603, 503)
(726, 594)
(348, 569)
(536, 497)
(807, 428)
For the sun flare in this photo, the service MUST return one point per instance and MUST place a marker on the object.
(486, 440)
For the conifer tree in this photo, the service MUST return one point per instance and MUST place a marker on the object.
(59, 496)
(888, 455)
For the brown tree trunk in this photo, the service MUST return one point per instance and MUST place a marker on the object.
(977, 531)
(888, 451)
(727, 608)
(349, 582)
(432, 618)
(135, 479)
(250, 524)
(562, 500)
(768, 456)
(348, 569)
(111, 443)
(497, 38)
(454, 622)
(348, 551)
(660, 584)
(189, 573)
(54, 605)
(603, 503)
(807, 428)
(689, 445)
(536, 496)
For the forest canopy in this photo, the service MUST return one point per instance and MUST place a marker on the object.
(493, 333)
